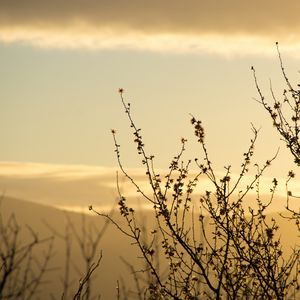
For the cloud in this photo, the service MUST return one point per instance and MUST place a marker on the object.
(224, 27)
(75, 187)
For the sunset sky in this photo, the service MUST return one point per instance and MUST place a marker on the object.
(62, 62)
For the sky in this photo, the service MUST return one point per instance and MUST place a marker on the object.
(62, 63)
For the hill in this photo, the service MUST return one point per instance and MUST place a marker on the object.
(44, 220)
(47, 221)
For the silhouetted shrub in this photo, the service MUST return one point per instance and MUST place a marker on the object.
(211, 244)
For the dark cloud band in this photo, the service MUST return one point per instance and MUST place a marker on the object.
(269, 17)
(231, 27)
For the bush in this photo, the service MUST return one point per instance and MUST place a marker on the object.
(212, 245)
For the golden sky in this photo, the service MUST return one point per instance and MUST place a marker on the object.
(62, 63)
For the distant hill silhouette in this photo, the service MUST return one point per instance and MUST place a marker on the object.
(114, 244)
